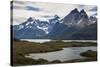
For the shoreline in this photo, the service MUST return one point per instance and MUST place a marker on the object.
(22, 48)
(58, 47)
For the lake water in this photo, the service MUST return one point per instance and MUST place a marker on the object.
(66, 54)
(47, 40)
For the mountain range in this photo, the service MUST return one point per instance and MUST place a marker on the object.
(77, 25)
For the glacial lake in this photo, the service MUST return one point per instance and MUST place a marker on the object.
(66, 54)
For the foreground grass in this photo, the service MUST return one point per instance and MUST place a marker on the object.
(21, 48)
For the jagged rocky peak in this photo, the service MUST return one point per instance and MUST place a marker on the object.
(75, 11)
(83, 12)
(56, 16)
(30, 19)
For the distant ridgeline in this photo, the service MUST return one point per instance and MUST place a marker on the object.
(77, 25)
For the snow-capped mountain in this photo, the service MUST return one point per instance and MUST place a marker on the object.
(76, 23)
(34, 28)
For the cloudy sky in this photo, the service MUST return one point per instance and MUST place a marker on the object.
(25, 9)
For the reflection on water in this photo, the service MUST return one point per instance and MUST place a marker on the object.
(63, 55)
